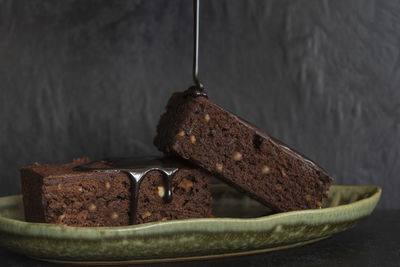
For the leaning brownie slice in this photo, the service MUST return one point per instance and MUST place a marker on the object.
(60, 194)
(240, 154)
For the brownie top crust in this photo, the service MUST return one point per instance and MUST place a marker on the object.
(55, 170)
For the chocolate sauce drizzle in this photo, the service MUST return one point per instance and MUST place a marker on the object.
(198, 88)
(137, 169)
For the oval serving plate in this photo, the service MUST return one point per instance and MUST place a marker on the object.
(241, 226)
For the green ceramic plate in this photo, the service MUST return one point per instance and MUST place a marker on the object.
(241, 226)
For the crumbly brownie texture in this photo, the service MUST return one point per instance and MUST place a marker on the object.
(58, 194)
(238, 153)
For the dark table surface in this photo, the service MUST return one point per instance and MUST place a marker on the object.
(374, 242)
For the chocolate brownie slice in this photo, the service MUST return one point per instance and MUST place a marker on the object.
(240, 154)
(60, 194)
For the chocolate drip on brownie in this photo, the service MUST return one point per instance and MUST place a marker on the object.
(136, 169)
(194, 91)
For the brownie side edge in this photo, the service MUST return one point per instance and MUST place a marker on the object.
(31, 184)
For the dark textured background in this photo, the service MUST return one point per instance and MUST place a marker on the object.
(92, 77)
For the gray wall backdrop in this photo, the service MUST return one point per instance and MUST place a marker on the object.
(92, 77)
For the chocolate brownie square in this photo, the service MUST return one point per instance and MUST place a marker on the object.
(240, 154)
(63, 194)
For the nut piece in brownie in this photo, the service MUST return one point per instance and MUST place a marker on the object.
(240, 154)
(60, 194)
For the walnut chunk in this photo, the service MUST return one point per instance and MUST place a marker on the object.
(308, 198)
(107, 185)
(80, 189)
(219, 167)
(237, 156)
(319, 204)
(265, 169)
(114, 215)
(207, 118)
(92, 207)
(278, 188)
(180, 134)
(146, 214)
(186, 185)
(164, 219)
(161, 191)
(192, 139)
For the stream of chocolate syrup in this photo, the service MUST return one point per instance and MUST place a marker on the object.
(198, 88)
(137, 169)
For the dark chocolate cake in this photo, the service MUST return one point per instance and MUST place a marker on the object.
(63, 194)
(240, 154)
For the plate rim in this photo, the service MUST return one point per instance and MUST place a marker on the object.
(184, 259)
(73, 232)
